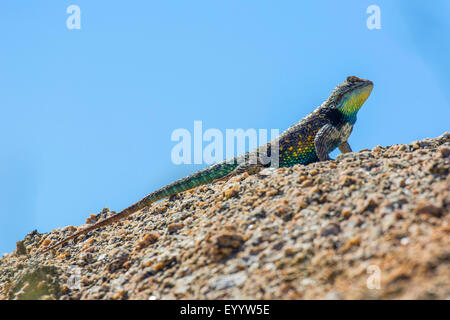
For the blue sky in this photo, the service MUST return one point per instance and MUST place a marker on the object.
(87, 115)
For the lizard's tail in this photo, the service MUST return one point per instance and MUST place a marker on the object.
(123, 214)
(201, 177)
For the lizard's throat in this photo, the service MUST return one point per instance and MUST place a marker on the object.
(351, 105)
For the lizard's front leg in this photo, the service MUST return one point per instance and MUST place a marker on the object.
(344, 147)
(322, 141)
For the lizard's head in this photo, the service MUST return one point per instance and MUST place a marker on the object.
(350, 95)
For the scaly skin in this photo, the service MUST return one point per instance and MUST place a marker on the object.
(310, 140)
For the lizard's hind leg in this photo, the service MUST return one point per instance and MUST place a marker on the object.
(250, 168)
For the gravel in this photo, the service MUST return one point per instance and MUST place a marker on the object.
(368, 225)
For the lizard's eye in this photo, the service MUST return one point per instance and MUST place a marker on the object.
(352, 79)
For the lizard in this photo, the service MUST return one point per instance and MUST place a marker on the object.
(310, 140)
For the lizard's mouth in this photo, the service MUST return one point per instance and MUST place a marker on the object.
(364, 83)
(369, 84)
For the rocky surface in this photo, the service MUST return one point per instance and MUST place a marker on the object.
(371, 225)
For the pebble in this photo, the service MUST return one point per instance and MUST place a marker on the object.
(228, 281)
(330, 230)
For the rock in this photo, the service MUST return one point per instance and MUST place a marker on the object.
(118, 258)
(37, 282)
(148, 239)
(224, 244)
(173, 227)
(327, 230)
(331, 229)
(231, 192)
(228, 281)
(346, 180)
(20, 248)
(444, 151)
(425, 207)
